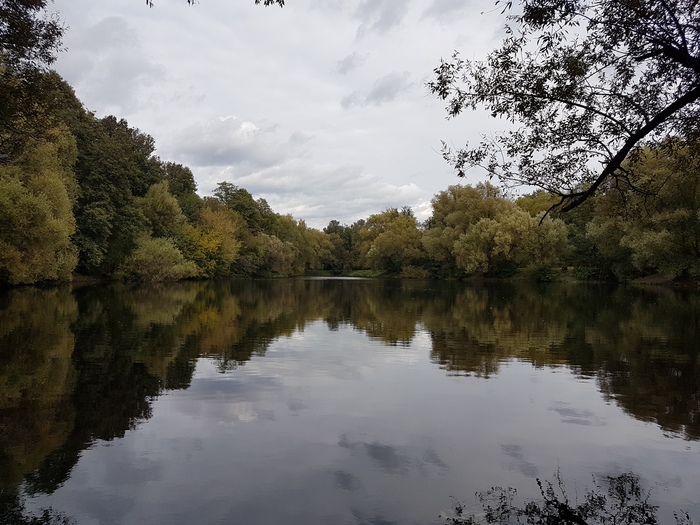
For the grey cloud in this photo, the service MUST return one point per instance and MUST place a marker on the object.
(385, 457)
(431, 456)
(350, 62)
(576, 416)
(228, 142)
(347, 481)
(311, 191)
(380, 15)
(528, 469)
(328, 5)
(298, 139)
(122, 81)
(446, 10)
(384, 90)
(388, 88)
(108, 62)
(353, 99)
(362, 519)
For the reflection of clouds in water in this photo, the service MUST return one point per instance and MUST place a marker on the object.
(431, 456)
(295, 406)
(361, 519)
(387, 459)
(347, 481)
(528, 469)
(384, 457)
(230, 398)
(577, 416)
(391, 459)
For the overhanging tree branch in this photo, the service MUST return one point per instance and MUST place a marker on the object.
(576, 76)
(576, 199)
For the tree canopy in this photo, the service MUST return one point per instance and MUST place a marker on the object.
(586, 84)
(29, 40)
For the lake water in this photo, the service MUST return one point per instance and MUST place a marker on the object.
(339, 401)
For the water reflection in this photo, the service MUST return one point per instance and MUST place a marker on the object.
(86, 365)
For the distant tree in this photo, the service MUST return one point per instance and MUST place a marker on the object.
(391, 240)
(156, 260)
(183, 187)
(454, 211)
(586, 84)
(345, 254)
(658, 231)
(161, 210)
(116, 165)
(278, 256)
(514, 239)
(242, 202)
(537, 202)
(37, 194)
(213, 244)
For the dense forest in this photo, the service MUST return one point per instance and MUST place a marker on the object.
(87, 195)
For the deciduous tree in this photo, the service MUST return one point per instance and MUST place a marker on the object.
(36, 217)
(29, 40)
(586, 84)
(391, 240)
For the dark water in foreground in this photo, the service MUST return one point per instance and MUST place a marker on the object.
(316, 401)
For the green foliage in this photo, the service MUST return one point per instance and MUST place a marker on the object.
(391, 240)
(213, 244)
(650, 223)
(156, 259)
(161, 210)
(508, 238)
(116, 164)
(29, 40)
(586, 83)
(36, 219)
(242, 202)
(537, 202)
(455, 210)
(277, 256)
(183, 187)
(345, 251)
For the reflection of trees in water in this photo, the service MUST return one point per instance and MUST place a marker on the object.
(86, 365)
(479, 327)
(36, 377)
(641, 344)
(652, 359)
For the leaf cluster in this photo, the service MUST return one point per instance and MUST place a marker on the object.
(584, 85)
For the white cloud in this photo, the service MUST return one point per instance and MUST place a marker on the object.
(290, 76)
(446, 10)
(380, 15)
(228, 141)
(384, 90)
(350, 63)
(108, 65)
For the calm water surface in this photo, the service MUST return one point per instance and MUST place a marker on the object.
(339, 401)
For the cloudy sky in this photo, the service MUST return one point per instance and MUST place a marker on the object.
(320, 108)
